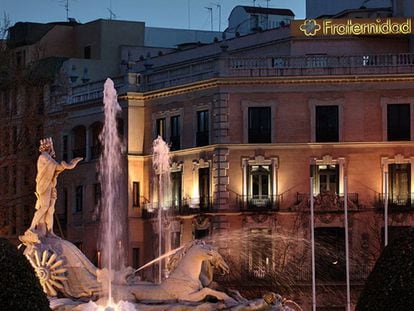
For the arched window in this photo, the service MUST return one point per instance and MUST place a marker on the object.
(79, 142)
(95, 130)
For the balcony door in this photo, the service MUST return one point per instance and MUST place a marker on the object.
(260, 183)
(204, 186)
(399, 183)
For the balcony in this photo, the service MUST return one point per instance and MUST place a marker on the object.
(184, 207)
(358, 273)
(91, 91)
(283, 66)
(258, 202)
(396, 203)
(328, 201)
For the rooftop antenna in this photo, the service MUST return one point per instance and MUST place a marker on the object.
(65, 4)
(219, 9)
(211, 16)
(189, 15)
(112, 15)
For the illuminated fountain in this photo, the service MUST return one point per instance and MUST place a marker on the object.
(161, 164)
(64, 271)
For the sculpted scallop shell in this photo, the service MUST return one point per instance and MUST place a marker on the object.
(49, 271)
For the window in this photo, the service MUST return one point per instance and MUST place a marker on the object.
(204, 187)
(96, 148)
(254, 22)
(79, 199)
(14, 179)
(87, 52)
(201, 233)
(395, 233)
(399, 176)
(6, 102)
(175, 133)
(176, 181)
(326, 178)
(327, 129)
(161, 129)
(330, 254)
(27, 215)
(135, 194)
(202, 138)
(398, 122)
(15, 139)
(260, 185)
(65, 148)
(97, 192)
(79, 142)
(135, 257)
(5, 179)
(120, 127)
(65, 206)
(260, 252)
(175, 239)
(259, 125)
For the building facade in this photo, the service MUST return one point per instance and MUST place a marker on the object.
(259, 126)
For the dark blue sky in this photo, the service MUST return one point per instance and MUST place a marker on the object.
(155, 13)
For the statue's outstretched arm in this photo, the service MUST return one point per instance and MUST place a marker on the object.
(71, 165)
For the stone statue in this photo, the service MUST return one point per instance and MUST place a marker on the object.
(47, 172)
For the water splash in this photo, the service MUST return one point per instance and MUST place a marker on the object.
(161, 162)
(110, 173)
(120, 306)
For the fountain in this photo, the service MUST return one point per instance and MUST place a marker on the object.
(110, 173)
(65, 272)
(161, 166)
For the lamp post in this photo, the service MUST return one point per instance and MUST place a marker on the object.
(312, 221)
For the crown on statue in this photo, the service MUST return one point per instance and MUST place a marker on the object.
(46, 144)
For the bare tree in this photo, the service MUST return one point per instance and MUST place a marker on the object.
(24, 100)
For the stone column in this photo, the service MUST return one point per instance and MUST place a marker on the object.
(220, 178)
(220, 119)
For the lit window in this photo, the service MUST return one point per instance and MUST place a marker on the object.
(161, 128)
(135, 194)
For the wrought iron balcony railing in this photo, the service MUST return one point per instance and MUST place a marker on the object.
(258, 202)
(396, 202)
(187, 206)
(328, 201)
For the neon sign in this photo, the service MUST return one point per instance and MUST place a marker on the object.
(351, 27)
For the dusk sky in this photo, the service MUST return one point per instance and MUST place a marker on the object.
(155, 13)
